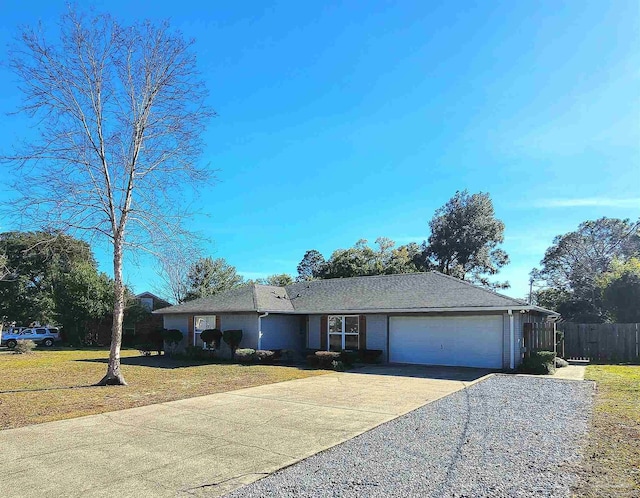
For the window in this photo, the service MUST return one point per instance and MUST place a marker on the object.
(146, 303)
(344, 332)
(201, 323)
(41, 331)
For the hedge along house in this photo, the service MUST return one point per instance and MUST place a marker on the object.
(418, 318)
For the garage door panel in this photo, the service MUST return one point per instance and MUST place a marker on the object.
(474, 341)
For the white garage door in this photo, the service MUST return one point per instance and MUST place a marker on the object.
(470, 341)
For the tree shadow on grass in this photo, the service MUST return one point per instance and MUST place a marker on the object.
(13, 391)
(166, 362)
(155, 361)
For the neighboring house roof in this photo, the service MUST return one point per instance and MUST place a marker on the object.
(158, 302)
(407, 292)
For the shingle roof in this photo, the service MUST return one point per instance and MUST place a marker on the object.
(388, 292)
(409, 291)
(240, 299)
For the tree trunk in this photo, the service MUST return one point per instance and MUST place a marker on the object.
(114, 376)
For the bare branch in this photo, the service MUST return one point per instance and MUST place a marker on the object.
(120, 111)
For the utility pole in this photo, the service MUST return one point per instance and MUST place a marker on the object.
(530, 290)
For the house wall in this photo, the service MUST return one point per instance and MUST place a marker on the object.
(313, 334)
(377, 332)
(247, 322)
(179, 322)
(283, 332)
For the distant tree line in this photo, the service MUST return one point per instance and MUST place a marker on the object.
(464, 240)
(592, 274)
(54, 278)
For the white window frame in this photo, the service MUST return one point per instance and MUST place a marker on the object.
(197, 331)
(343, 334)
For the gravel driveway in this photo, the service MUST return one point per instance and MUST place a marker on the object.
(507, 436)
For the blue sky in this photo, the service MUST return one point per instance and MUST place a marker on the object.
(347, 120)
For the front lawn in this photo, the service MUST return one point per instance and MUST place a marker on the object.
(612, 457)
(57, 384)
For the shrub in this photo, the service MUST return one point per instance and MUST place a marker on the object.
(232, 338)
(155, 341)
(245, 355)
(172, 337)
(212, 337)
(338, 366)
(277, 353)
(313, 360)
(326, 358)
(287, 356)
(265, 356)
(24, 347)
(560, 363)
(539, 363)
(146, 348)
(197, 353)
(370, 355)
(349, 357)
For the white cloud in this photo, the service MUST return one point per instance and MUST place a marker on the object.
(589, 202)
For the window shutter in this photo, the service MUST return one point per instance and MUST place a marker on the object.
(190, 330)
(324, 327)
(363, 332)
(218, 322)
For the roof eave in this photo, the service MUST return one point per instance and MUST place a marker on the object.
(515, 307)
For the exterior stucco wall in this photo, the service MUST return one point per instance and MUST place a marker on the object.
(179, 322)
(247, 322)
(377, 333)
(313, 333)
(283, 332)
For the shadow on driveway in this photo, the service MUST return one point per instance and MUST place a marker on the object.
(463, 374)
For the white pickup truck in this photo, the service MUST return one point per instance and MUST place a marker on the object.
(40, 335)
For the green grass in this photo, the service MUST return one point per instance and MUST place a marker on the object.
(56, 384)
(612, 458)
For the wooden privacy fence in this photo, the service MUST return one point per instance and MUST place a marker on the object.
(539, 337)
(606, 342)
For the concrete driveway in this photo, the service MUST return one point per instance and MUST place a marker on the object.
(210, 445)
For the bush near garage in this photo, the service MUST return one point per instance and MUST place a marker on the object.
(326, 358)
(313, 361)
(539, 363)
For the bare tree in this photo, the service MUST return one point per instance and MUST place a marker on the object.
(174, 273)
(120, 112)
